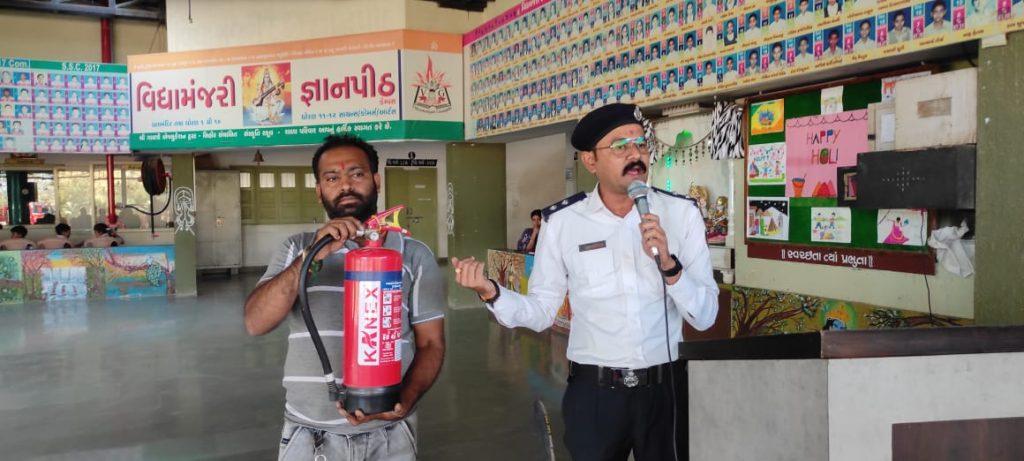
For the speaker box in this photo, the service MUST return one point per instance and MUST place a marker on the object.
(938, 179)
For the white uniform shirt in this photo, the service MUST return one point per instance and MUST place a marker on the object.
(17, 244)
(863, 45)
(804, 59)
(898, 36)
(614, 287)
(54, 243)
(935, 28)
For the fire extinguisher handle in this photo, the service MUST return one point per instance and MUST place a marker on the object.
(314, 334)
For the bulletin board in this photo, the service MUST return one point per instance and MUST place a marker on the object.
(797, 144)
(64, 107)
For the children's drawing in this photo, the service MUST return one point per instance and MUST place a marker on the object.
(766, 163)
(830, 225)
(902, 227)
(768, 218)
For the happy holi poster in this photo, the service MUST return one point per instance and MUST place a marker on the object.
(768, 218)
(818, 144)
(767, 117)
(766, 163)
(831, 225)
(267, 94)
(902, 227)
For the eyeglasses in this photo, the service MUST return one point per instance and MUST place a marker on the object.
(619, 147)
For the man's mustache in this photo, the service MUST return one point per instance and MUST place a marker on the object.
(634, 164)
(356, 195)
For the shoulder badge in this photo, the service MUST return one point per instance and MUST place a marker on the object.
(561, 204)
(673, 194)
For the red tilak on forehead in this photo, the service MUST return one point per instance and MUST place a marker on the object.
(340, 168)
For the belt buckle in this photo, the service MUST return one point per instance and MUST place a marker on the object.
(631, 379)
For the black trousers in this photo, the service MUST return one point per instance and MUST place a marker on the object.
(606, 424)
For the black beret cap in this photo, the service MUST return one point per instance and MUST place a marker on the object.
(601, 121)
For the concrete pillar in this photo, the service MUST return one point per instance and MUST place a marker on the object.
(183, 169)
(998, 291)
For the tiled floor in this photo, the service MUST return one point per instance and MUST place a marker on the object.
(181, 380)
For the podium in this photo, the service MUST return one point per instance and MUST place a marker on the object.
(856, 395)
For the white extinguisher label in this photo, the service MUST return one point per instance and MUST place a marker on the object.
(369, 323)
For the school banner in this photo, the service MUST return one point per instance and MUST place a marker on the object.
(394, 85)
(67, 107)
(548, 61)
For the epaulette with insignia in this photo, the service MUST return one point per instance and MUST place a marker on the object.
(550, 210)
(673, 194)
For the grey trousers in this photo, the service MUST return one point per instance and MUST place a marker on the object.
(395, 442)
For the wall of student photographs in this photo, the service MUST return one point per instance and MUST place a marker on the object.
(59, 111)
(552, 60)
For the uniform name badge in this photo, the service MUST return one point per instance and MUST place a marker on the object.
(592, 246)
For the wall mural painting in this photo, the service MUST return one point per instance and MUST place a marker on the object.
(512, 271)
(133, 272)
(12, 290)
(757, 312)
(86, 273)
(508, 269)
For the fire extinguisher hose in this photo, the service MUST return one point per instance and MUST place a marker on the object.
(314, 334)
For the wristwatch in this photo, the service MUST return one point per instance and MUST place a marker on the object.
(497, 293)
(675, 270)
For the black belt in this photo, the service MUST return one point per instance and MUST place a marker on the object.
(620, 377)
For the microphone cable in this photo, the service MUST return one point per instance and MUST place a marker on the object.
(671, 365)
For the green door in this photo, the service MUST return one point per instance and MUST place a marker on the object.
(585, 180)
(476, 185)
(416, 188)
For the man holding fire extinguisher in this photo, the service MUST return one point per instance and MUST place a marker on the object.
(346, 170)
(635, 264)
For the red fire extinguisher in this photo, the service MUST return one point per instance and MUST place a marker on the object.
(373, 320)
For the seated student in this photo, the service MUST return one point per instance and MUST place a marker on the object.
(18, 240)
(129, 220)
(61, 240)
(103, 237)
(82, 220)
(528, 239)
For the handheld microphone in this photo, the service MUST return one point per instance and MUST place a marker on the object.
(638, 192)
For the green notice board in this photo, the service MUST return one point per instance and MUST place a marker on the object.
(864, 223)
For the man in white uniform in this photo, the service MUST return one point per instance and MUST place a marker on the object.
(598, 248)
